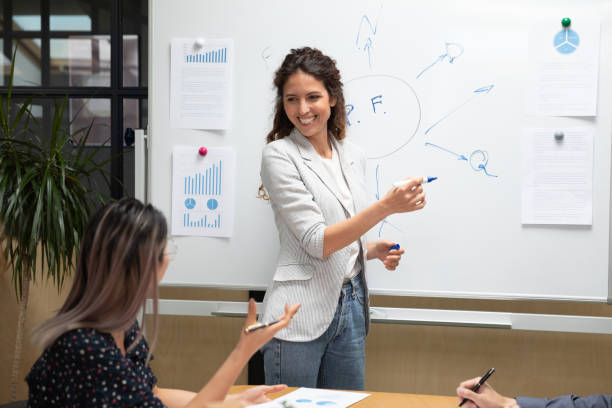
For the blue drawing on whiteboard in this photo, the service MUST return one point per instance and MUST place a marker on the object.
(478, 160)
(566, 41)
(477, 92)
(384, 221)
(266, 53)
(375, 101)
(365, 36)
(303, 400)
(212, 204)
(190, 203)
(452, 52)
(459, 156)
(325, 403)
(349, 109)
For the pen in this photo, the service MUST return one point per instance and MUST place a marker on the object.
(477, 386)
(257, 326)
(394, 246)
(404, 182)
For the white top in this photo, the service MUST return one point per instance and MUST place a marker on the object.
(332, 166)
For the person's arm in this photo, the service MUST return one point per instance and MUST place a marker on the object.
(409, 197)
(297, 207)
(487, 397)
(567, 401)
(173, 398)
(218, 386)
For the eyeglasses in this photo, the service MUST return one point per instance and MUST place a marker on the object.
(171, 249)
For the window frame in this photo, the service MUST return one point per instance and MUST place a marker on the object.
(116, 92)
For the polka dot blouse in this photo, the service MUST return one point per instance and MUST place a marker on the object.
(84, 367)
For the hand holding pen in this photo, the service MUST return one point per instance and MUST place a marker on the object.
(253, 339)
(406, 195)
(484, 396)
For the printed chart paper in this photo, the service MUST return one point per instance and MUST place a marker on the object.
(316, 398)
(557, 177)
(201, 84)
(203, 191)
(564, 67)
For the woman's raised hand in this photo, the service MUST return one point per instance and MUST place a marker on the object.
(254, 340)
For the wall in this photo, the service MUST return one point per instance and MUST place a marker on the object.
(400, 358)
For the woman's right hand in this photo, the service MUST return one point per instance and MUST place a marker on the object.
(409, 197)
(251, 342)
(486, 397)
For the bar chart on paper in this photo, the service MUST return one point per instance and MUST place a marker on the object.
(203, 192)
(210, 57)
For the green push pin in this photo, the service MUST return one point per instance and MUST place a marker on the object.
(566, 22)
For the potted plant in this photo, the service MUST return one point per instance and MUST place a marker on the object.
(45, 199)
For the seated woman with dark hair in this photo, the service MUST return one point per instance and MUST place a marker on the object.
(94, 351)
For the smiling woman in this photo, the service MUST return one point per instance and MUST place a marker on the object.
(314, 180)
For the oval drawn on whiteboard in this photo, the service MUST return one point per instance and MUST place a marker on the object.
(383, 113)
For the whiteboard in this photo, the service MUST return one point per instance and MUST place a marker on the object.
(469, 240)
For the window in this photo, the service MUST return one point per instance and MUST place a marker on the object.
(94, 52)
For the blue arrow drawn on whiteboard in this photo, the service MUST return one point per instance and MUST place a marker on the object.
(384, 221)
(459, 156)
(453, 51)
(480, 91)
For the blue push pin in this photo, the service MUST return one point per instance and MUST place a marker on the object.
(395, 246)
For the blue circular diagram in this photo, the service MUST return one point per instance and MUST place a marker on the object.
(212, 204)
(190, 203)
(566, 41)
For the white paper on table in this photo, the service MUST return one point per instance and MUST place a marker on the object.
(203, 191)
(316, 398)
(201, 84)
(557, 177)
(563, 68)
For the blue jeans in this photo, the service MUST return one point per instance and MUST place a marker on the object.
(335, 360)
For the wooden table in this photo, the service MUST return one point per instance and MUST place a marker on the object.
(384, 399)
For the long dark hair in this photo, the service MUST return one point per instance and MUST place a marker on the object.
(120, 256)
(313, 62)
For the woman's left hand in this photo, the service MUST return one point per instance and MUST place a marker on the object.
(256, 395)
(380, 249)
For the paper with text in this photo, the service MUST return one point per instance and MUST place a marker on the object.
(557, 177)
(201, 84)
(563, 68)
(203, 191)
(316, 398)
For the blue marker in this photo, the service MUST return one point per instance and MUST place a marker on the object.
(404, 182)
(395, 246)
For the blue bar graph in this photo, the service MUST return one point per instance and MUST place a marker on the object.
(218, 56)
(208, 182)
(203, 222)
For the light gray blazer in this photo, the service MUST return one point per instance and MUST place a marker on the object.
(304, 204)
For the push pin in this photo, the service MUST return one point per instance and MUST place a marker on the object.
(199, 43)
(203, 151)
(566, 22)
(559, 136)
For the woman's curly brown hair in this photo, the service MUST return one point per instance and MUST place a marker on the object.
(313, 62)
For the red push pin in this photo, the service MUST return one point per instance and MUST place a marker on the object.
(203, 151)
